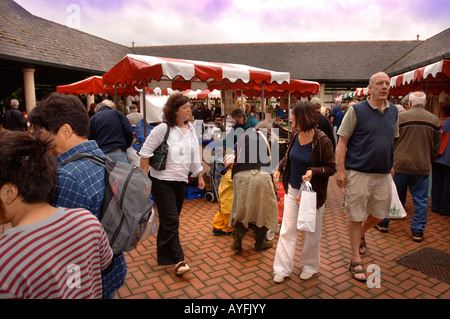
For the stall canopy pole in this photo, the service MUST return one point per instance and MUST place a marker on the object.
(145, 108)
(289, 115)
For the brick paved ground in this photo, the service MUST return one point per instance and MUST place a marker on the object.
(220, 273)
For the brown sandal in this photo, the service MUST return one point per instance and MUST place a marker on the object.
(357, 271)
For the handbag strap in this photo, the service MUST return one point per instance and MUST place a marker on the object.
(167, 133)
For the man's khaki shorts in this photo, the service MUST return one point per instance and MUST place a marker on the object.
(367, 193)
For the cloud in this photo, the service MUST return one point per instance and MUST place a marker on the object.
(164, 22)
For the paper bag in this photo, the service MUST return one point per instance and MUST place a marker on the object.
(306, 220)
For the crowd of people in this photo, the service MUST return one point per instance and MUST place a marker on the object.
(54, 210)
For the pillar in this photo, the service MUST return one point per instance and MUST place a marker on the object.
(90, 98)
(29, 89)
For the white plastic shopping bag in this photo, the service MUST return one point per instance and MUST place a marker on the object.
(306, 220)
(397, 210)
(133, 157)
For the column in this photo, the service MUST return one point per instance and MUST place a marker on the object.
(29, 89)
(90, 98)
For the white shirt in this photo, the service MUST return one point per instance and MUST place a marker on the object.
(183, 156)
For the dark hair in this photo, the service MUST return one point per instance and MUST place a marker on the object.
(446, 109)
(237, 113)
(172, 105)
(306, 116)
(57, 110)
(26, 162)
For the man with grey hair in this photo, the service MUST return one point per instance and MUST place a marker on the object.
(14, 119)
(416, 148)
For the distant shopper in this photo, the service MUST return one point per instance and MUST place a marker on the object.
(414, 151)
(364, 158)
(323, 123)
(134, 117)
(440, 190)
(47, 254)
(111, 130)
(14, 120)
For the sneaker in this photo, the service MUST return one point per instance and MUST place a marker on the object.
(278, 279)
(417, 236)
(306, 275)
(382, 227)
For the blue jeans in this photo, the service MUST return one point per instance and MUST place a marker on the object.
(418, 187)
(118, 155)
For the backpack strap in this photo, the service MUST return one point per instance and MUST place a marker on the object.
(93, 158)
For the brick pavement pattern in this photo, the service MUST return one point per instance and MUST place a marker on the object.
(220, 273)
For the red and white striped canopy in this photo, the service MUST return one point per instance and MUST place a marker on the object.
(93, 85)
(299, 88)
(137, 68)
(433, 78)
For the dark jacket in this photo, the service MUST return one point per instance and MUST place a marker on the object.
(323, 165)
(111, 130)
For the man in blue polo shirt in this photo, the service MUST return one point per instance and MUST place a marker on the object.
(364, 160)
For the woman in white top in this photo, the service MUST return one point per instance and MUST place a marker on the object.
(169, 185)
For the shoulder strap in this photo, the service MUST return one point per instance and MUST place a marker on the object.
(93, 158)
(167, 133)
(267, 143)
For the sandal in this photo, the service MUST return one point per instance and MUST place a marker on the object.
(181, 268)
(363, 246)
(357, 271)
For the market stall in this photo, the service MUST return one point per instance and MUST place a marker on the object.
(186, 74)
(432, 79)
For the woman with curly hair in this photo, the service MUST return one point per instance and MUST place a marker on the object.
(169, 185)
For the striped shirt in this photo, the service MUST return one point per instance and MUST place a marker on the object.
(59, 257)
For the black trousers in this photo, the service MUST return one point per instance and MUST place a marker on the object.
(168, 197)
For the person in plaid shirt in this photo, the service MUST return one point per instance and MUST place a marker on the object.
(80, 184)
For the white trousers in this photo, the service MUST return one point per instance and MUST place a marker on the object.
(287, 241)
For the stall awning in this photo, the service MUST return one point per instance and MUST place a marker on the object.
(137, 68)
(433, 78)
(93, 85)
(299, 88)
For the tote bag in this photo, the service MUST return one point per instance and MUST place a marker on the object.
(397, 210)
(306, 220)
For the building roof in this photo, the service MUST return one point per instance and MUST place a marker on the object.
(348, 62)
(430, 51)
(26, 37)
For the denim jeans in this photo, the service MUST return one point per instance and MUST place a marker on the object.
(440, 190)
(118, 155)
(418, 187)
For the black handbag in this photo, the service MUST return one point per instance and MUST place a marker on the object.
(159, 158)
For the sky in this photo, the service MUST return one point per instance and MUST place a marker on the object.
(174, 22)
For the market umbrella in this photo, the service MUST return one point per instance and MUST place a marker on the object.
(433, 78)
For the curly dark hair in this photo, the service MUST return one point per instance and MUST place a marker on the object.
(25, 161)
(172, 105)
